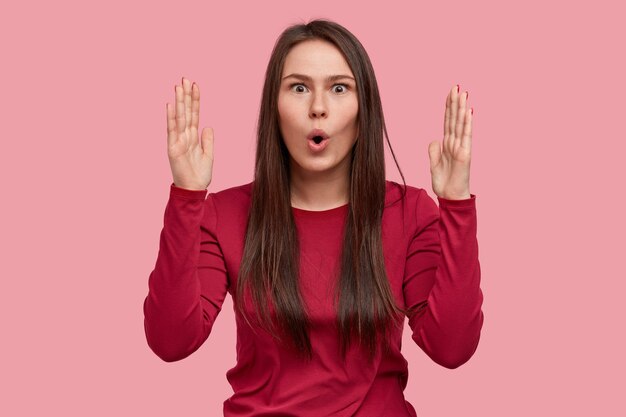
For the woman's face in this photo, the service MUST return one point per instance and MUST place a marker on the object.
(308, 100)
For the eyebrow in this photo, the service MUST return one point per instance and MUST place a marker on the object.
(328, 79)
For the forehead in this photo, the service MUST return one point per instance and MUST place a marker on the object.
(316, 58)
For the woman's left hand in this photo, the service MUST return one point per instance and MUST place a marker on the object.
(450, 163)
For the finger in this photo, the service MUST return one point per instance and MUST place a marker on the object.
(195, 110)
(466, 141)
(187, 91)
(180, 111)
(434, 154)
(207, 142)
(447, 129)
(454, 107)
(446, 120)
(460, 119)
(171, 125)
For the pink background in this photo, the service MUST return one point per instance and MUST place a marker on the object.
(86, 179)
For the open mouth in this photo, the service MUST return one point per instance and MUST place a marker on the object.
(318, 139)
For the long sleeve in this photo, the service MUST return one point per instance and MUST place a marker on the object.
(188, 285)
(442, 280)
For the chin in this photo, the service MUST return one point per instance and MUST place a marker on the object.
(313, 167)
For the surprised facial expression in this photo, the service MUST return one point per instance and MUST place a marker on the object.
(318, 91)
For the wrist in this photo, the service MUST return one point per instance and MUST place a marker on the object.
(190, 188)
(456, 197)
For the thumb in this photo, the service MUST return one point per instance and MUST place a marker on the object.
(434, 153)
(207, 141)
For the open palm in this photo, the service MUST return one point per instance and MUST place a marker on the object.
(450, 161)
(191, 161)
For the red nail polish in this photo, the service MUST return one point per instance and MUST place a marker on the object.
(457, 88)
(472, 111)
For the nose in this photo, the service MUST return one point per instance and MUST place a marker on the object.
(318, 108)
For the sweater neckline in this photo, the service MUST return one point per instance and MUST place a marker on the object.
(320, 213)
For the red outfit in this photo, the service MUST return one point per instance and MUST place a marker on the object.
(430, 254)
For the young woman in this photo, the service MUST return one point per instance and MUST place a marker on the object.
(324, 257)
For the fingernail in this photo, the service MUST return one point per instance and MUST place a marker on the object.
(472, 111)
(457, 88)
(466, 95)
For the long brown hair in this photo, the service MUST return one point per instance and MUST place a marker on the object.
(270, 263)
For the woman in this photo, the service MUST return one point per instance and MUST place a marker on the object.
(322, 255)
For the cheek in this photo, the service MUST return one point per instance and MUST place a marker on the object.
(286, 114)
(351, 110)
(350, 115)
(353, 116)
(355, 109)
(285, 121)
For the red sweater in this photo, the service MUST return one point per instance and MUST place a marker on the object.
(430, 254)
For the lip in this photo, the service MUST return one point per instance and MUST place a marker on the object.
(317, 132)
(317, 147)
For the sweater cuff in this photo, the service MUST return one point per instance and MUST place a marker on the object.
(187, 194)
(468, 202)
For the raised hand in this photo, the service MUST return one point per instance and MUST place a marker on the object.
(450, 163)
(191, 162)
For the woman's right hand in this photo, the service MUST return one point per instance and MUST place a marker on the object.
(191, 162)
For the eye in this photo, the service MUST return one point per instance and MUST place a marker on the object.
(301, 88)
(344, 87)
(291, 86)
